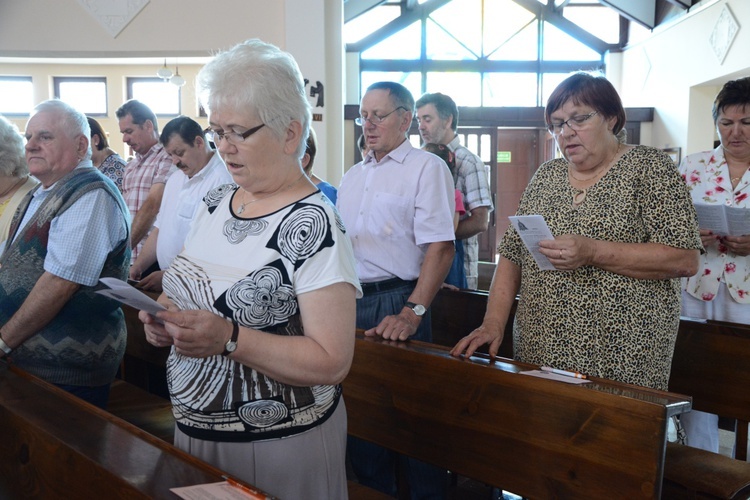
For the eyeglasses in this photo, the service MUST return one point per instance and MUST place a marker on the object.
(233, 137)
(375, 119)
(577, 122)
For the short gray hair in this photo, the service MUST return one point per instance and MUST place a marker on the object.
(260, 77)
(12, 153)
(74, 123)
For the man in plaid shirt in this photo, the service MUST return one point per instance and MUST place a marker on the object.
(146, 174)
(437, 115)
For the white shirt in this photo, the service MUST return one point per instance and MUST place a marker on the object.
(182, 196)
(393, 209)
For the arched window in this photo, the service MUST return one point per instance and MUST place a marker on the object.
(482, 52)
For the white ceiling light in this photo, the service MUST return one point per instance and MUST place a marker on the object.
(177, 79)
(164, 73)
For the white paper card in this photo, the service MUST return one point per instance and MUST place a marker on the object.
(533, 229)
(127, 294)
(555, 376)
(213, 491)
(723, 220)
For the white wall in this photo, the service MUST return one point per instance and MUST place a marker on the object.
(676, 72)
(309, 29)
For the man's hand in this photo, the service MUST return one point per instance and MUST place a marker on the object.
(399, 326)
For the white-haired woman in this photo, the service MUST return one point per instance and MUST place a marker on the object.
(262, 298)
(15, 180)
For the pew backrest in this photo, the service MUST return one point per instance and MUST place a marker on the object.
(538, 438)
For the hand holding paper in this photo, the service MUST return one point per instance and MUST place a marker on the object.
(127, 294)
(533, 229)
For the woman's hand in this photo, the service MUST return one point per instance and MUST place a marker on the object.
(156, 335)
(196, 333)
(568, 251)
(708, 238)
(489, 332)
(738, 245)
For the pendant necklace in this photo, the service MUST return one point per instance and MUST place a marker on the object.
(580, 195)
(243, 205)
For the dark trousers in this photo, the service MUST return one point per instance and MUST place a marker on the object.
(374, 465)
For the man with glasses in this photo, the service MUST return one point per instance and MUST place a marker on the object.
(145, 175)
(437, 115)
(397, 206)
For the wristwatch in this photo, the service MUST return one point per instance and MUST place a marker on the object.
(231, 344)
(418, 309)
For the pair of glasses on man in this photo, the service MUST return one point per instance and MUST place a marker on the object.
(232, 137)
(375, 119)
(576, 122)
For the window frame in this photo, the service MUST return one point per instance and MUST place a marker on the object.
(57, 80)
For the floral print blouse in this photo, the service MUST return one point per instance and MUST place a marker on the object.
(707, 177)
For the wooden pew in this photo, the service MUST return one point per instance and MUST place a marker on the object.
(710, 364)
(55, 446)
(537, 438)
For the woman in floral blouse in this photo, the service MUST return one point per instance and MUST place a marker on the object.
(721, 288)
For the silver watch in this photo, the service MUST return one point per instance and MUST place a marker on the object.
(418, 309)
(5, 347)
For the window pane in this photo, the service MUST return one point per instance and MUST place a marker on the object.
(464, 88)
(403, 45)
(162, 97)
(87, 95)
(521, 47)
(16, 95)
(503, 20)
(559, 46)
(412, 81)
(549, 82)
(441, 44)
(510, 89)
(462, 19)
(370, 21)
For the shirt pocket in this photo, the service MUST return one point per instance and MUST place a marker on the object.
(389, 215)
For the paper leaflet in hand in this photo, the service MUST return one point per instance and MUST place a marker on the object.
(127, 294)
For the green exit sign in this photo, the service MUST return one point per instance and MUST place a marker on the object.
(503, 156)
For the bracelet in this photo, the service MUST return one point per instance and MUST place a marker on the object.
(3, 346)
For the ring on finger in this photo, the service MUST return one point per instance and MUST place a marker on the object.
(561, 253)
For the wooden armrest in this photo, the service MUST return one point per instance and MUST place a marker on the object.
(706, 474)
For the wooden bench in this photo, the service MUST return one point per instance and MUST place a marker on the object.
(710, 364)
(535, 437)
(55, 446)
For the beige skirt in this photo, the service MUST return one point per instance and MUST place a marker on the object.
(307, 465)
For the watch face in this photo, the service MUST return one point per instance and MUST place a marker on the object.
(231, 346)
(419, 309)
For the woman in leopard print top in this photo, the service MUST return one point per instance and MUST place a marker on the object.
(625, 232)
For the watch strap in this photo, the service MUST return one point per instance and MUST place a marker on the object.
(232, 340)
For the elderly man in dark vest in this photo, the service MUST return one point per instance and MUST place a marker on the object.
(67, 233)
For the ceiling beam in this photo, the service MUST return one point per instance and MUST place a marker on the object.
(641, 11)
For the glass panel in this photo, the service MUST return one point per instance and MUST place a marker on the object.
(162, 97)
(464, 88)
(503, 19)
(522, 47)
(559, 46)
(402, 45)
(88, 97)
(549, 82)
(16, 96)
(370, 21)
(412, 81)
(485, 143)
(442, 45)
(509, 89)
(598, 20)
(463, 20)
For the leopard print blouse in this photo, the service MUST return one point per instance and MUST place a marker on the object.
(590, 320)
